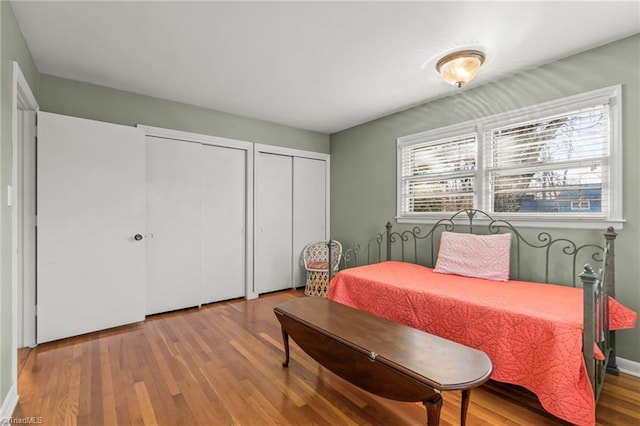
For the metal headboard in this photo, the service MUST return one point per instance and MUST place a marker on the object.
(420, 246)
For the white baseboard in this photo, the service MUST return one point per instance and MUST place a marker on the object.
(9, 404)
(628, 367)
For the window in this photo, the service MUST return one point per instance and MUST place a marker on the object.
(439, 175)
(557, 162)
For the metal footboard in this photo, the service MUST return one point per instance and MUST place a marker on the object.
(597, 288)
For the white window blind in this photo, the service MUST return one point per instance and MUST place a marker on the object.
(555, 164)
(439, 175)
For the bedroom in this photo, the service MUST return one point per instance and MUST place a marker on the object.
(362, 195)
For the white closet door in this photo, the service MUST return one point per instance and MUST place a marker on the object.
(273, 219)
(223, 222)
(309, 210)
(174, 243)
(91, 203)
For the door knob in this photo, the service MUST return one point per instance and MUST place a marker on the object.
(138, 237)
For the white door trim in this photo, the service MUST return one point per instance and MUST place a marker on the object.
(22, 97)
(250, 291)
(195, 137)
(270, 149)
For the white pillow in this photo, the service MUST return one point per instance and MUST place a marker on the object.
(478, 256)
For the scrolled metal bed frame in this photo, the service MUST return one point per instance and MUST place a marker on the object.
(597, 285)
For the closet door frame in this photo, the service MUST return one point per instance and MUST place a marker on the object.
(187, 137)
(269, 149)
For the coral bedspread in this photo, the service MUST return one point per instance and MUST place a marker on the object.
(532, 332)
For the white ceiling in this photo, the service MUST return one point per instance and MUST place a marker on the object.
(322, 66)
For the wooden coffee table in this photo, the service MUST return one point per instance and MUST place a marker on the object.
(381, 356)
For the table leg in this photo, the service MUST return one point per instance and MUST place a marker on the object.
(466, 394)
(285, 338)
(433, 406)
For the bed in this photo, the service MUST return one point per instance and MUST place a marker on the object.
(534, 332)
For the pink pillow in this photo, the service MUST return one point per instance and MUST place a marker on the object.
(478, 256)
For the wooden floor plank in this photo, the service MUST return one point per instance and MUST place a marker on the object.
(221, 365)
(144, 402)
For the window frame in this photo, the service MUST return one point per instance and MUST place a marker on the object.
(611, 179)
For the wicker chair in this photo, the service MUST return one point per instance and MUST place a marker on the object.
(315, 258)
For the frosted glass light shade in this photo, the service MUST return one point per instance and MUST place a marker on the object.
(461, 67)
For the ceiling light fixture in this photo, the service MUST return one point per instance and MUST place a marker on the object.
(460, 67)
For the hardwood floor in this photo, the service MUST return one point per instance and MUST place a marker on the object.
(221, 364)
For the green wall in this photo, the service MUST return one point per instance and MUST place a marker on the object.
(363, 158)
(13, 48)
(101, 103)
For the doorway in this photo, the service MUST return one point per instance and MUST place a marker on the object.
(22, 199)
